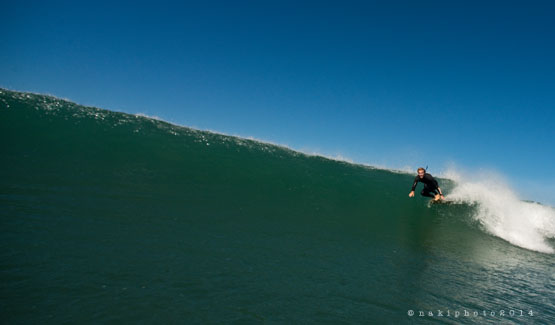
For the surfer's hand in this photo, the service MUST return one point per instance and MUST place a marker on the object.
(411, 194)
(442, 197)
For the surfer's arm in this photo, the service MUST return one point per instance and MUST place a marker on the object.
(411, 194)
(414, 184)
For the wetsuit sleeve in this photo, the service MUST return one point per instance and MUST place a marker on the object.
(415, 183)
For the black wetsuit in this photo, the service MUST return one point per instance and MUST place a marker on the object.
(430, 185)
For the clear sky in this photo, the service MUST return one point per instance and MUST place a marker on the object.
(393, 83)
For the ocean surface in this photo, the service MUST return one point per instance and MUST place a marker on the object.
(109, 217)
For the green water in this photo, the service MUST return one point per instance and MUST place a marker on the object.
(114, 218)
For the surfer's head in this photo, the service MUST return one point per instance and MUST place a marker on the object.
(421, 172)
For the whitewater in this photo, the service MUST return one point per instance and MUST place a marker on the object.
(500, 212)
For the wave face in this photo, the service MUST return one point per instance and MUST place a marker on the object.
(115, 217)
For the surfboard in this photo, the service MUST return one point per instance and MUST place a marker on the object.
(444, 201)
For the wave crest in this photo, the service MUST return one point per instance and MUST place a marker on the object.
(499, 210)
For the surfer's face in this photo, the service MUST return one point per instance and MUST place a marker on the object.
(421, 174)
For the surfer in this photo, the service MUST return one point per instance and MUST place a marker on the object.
(431, 187)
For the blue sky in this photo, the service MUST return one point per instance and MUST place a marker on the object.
(395, 84)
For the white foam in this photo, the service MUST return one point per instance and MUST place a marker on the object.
(501, 212)
(154, 117)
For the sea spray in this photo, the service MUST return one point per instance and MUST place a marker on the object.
(501, 212)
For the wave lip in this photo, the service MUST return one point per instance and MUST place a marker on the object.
(501, 213)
